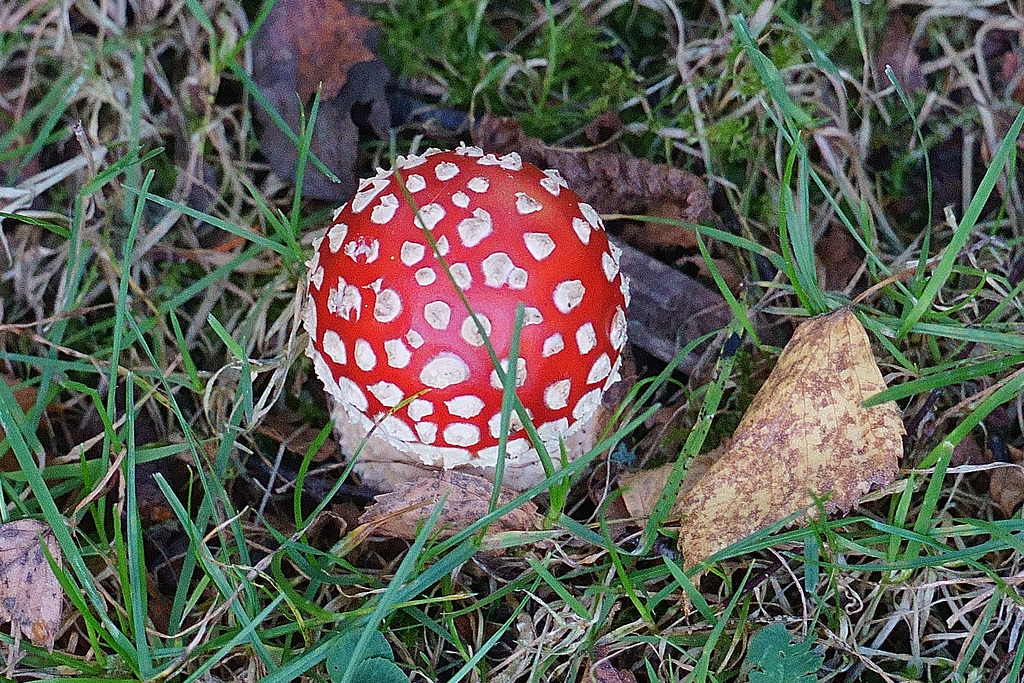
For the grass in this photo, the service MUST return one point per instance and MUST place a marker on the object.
(156, 335)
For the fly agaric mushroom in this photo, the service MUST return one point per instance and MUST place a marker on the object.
(404, 359)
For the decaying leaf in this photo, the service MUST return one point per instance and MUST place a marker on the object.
(897, 50)
(805, 435)
(839, 258)
(400, 514)
(612, 182)
(26, 398)
(1006, 486)
(603, 671)
(641, 490)
(302, 44)
(30, 596)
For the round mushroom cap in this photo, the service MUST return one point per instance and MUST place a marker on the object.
(426, 264)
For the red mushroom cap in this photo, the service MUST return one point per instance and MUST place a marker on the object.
(393, 342)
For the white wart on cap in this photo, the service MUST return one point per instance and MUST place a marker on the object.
(396, 347)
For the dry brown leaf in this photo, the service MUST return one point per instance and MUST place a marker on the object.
(302, 44)
(30, 596)
(840, 257)
(603, 671)
(641, 490)
(1006, 486)
(898, 50)
(805, 435)
(400, 514)
(26, 398)
(612, 182)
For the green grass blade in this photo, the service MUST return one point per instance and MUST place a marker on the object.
(769, 74)
(942, 271)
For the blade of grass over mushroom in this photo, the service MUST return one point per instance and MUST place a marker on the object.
(504, 376)
(691, 447)
(940, 274)
(508, 400)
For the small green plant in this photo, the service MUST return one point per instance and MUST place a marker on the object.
(774, 658)
(376, 662)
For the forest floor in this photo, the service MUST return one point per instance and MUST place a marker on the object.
(166, 168)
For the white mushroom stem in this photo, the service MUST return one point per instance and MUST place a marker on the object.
(383, 467)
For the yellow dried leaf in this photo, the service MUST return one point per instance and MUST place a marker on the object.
(400, 513)
(30, 595)
(805, 435)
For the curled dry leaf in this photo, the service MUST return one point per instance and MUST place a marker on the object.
(302, 44)
(30, 596)
(400, 514)
(612, 182)
(805, 435)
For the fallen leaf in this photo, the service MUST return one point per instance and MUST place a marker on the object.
(1006, 485)
(804, 435)
(641, 490)
(840, 257)
(603, 671)
(26, 398)
(30, 595)
(400, 514)
(300, 45)
(612, 182)
(898, 50)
